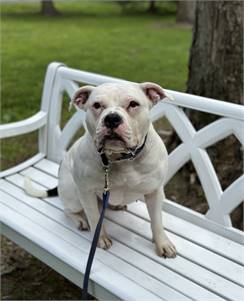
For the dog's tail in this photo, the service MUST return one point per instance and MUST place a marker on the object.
(39, 193)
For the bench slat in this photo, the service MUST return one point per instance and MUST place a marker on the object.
(198, 255)
(200, 236)
(180, 265)
(178, 282)
(18, 180)
(218, 264)
(48, 167)
(188, 250)
(43, 178)
(73, 237)
(205, 238)
(190, 270)
(114, 281)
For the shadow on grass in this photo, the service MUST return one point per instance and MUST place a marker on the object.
(79, 13)
(68, 15)
(89, 9)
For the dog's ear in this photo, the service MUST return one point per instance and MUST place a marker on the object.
(81, 96)
(154, 92)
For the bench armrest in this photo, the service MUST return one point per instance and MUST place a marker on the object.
(24, 126)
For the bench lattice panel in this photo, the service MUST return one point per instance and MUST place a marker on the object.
(193, 146)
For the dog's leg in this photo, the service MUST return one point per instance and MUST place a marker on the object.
(79, 219)
(90, 204)
(164, 246)
(69, 196)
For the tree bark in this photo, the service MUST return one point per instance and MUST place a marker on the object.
(216, 71)
(216, 62)
(185, 11)
(152, 6)
(48, 8)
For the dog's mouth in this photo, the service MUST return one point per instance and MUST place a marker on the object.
(113, 143)
(113, 137)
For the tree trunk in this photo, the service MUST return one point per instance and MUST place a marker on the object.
(152, 6)
(216, 63)
(185, 11)
(48, 8)
(216, 71)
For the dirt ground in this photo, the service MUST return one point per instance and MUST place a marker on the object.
(23, 277)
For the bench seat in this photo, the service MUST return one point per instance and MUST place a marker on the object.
(208, 266)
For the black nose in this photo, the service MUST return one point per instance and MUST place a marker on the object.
(112, 120)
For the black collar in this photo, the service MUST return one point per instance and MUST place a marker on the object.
(131, 155)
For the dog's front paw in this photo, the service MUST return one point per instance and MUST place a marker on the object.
(104, 242)
(165, 248)
(83, 226)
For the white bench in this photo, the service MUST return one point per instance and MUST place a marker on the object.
(210, 260)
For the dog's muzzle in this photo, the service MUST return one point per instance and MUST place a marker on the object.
(110, 136)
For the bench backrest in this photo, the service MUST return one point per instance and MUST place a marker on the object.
(54, 141)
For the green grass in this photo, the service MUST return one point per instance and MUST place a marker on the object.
(98, 37)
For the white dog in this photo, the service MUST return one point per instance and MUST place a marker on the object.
(117, 125)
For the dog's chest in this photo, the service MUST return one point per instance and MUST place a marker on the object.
(130, 184)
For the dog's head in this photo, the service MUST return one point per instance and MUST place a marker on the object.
(117, 115)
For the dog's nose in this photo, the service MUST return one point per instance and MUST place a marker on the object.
(112, 120)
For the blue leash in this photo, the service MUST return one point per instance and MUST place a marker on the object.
(105, 200)
(125, 156)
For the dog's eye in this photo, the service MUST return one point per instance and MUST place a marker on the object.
(133, 104)
(96, 105)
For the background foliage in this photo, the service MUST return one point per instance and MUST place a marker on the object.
(99, 37)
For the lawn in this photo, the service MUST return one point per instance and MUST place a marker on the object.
(98, 37)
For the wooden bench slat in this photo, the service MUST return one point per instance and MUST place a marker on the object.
(205, 238)
(180, 265)
(172, 279)
(18, 180)
(190, 270)
(78, 241)
(198, 255)
(73, 237)
(178, 226)
(43, 178)
(114, 281)
(48, 167)
(189, 251)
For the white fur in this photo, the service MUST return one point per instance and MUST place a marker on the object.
(81, 175)
(32, 191)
